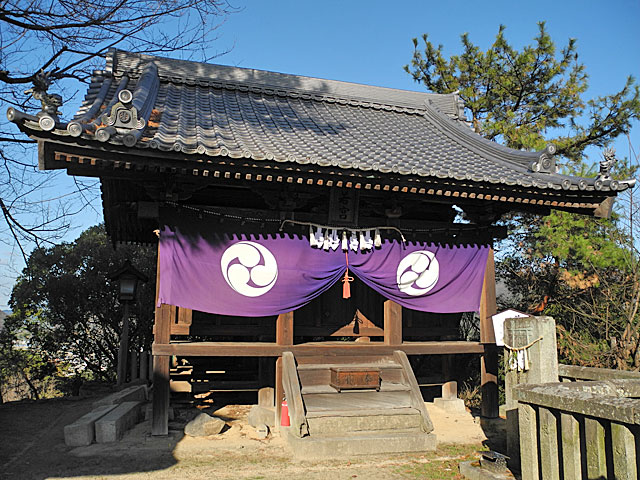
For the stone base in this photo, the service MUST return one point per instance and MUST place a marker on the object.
(473, 471)
(450, 405)
(348, 445)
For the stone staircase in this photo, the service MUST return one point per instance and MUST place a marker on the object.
(354, 406)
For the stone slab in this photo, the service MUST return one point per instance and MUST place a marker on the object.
(339, 425)
(135, 393)
(450, 405)
(346, 446)
(114, 424)
(82, 432)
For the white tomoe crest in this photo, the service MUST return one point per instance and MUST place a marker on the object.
(249, 268)
(418, 273)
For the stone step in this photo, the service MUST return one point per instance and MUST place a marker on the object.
(339, 423)
(356, 401)
(114, 424)
(360, 443)
(82, 432)
(384, 387)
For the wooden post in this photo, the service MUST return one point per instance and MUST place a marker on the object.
(449, 386)
(160, 418)
(124, 346)
(489, 360)
(159, 365)
(392, 323)
(144, 364)
(134, 366)
(284, 336)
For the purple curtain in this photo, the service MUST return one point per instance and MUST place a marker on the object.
(261, 275)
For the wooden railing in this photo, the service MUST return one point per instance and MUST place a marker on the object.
(291, 384)
(579, 429)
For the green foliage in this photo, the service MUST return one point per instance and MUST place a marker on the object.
(518, 97)
(581, 270)
(68, 305)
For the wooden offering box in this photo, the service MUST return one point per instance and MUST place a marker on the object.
(347, 378)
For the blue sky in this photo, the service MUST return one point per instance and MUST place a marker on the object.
(369, 42)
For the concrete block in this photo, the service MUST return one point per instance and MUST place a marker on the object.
(82, 432)
(259, 415)
(450, 405)
(112, 426)
(135, 393)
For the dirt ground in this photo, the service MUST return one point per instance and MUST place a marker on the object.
(32, 447)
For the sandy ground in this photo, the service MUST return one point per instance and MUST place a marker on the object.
(32, 447)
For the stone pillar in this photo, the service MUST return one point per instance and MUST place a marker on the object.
(542, 355)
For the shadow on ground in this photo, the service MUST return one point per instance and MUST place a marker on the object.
(32, 441)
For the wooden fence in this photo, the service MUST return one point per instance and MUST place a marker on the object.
(580, 429)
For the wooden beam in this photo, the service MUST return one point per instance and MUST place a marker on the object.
(489, 360)
(270, 349)
(392, 323)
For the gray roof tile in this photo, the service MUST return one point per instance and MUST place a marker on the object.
(215, 110)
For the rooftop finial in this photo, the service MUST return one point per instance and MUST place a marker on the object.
(50, 101)
(609, 155)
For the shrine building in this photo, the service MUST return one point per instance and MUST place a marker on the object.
(313, 225)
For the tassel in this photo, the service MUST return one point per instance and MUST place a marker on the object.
(327, 241)
(378, 241)
(363, 245)
(345, 243)
(346, 287)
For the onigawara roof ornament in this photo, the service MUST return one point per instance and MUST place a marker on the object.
(50, 102)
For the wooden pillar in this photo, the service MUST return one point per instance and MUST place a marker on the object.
(134, 372)
(160, 418)
(284, 336)
(392, 323)
(489, 360)
(159, 365)
(449, 385)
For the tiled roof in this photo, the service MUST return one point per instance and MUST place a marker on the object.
(197, 109)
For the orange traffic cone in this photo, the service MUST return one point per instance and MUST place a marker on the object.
(284, 415)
